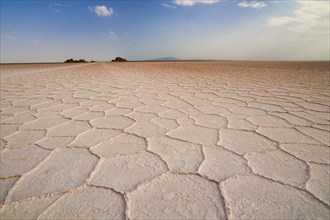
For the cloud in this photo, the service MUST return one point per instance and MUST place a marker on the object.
(35, 41)
(168, 6)
(101, 10)
(56, 8)
(310, 15)
(279, 21)
(253, 4)
(10, 37)
(193, 2)
(61, 5)
(111, 36)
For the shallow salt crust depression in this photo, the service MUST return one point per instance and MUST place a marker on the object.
(167, 140)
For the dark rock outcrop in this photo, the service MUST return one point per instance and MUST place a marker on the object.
(119, 59)
(75, 61)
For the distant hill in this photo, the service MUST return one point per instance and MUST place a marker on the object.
(166, 58)
(119, 59)
(75, 61)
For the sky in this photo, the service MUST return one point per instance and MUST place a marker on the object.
(53, 31)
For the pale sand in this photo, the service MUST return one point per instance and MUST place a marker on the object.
(235, 140)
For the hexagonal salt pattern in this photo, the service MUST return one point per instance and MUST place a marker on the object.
(195, 134)
(17, 161)
(115, 122)
(197, 140)
(90, 203)
(319, 184)
(6, 184)
(279, 166)
(125, 172)
(64, 169)
(27, 209)
(175, 197)
(24, 138)
(253, 197)
(122, 144)
(93, 137)
(179, 155)
(221, 164)
(243, 142)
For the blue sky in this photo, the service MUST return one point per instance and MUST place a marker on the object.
(50, 31)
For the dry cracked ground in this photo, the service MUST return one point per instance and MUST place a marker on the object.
(181, 140)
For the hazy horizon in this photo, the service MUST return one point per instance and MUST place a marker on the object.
(53, 31)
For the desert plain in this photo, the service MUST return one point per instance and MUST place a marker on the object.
(165, 140)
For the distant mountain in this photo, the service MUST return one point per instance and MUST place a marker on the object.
(166, 58)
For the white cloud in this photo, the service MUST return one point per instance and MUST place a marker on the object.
(56, 8)
(168, 6)
(253, 4)
(193, 2)
(10, 37)
(311, 15)
(61, 5)
(273, 21)
(111, 36)
(35, 41)
(101, 10)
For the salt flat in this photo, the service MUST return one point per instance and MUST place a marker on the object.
(166, 140)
